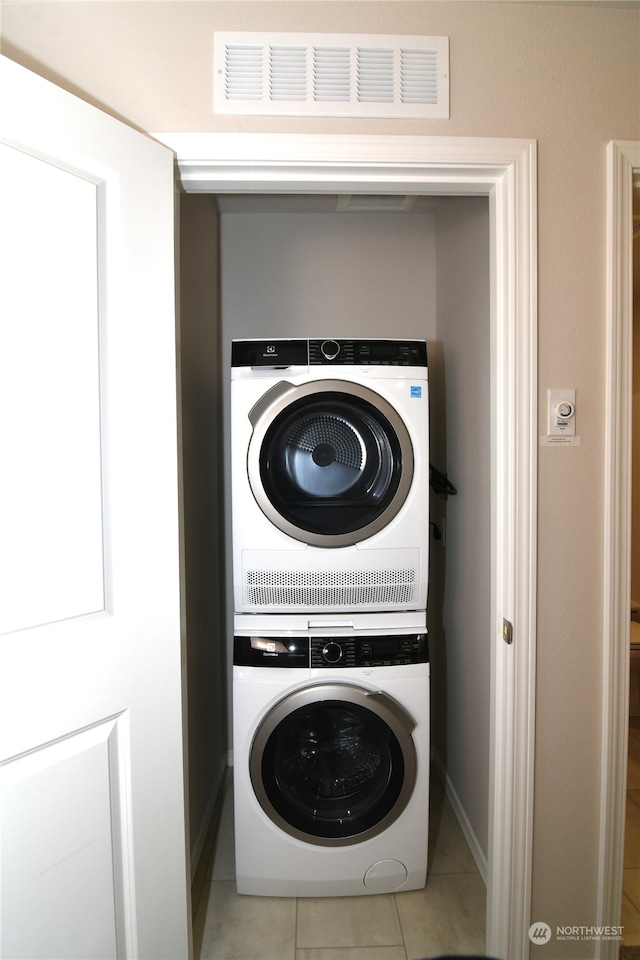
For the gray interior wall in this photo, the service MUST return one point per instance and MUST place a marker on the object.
(203, 554)
(339, 274)
(461, 649)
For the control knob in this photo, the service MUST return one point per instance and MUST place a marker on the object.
(330, 349)
(332, 652)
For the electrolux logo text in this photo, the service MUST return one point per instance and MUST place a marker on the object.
(541, 932)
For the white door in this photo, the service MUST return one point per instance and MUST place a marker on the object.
(92, 860)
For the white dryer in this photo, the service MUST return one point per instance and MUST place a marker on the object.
(331, 763)
(330, 475)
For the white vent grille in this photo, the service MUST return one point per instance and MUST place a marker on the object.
(331, 589)
(375, 203)
(343, 75)
(288, 73)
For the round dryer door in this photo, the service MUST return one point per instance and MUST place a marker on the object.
(334, 764)
(330, 463)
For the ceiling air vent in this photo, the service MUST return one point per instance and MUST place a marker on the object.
(336, 75)
(375, 203)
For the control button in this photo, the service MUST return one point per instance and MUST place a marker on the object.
(332, 652)
(562, 413)
(330, 349)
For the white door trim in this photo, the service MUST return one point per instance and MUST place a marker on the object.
(622, 158)
(505, 171)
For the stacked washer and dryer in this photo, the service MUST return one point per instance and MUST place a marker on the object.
(330, 501)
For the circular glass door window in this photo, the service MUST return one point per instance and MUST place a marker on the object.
(332, 466)
(333, 771)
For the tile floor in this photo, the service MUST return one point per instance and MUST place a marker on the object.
(631, 881)
(448, 916)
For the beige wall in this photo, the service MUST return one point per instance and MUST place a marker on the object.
(564, 74)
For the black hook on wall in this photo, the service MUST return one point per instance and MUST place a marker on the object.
(440, 483)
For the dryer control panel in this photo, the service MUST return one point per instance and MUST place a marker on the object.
(286, 353)
(331, 652)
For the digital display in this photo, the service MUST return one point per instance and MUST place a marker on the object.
(393, 352)
(385, 647)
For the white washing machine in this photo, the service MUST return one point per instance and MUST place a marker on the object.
(331, 762)
(330, 475)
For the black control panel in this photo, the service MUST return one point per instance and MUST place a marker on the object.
(288, 353)
(331, 652)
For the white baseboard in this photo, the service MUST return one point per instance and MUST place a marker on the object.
(476, 850)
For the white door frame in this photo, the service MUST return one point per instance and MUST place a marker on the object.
(623, 158)
(505, 172)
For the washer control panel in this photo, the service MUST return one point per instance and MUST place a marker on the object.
(279, 354)
(382, 651)
(331, 653)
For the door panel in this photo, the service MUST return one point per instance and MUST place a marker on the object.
(91, 763)
(49, 371)
(64, 852)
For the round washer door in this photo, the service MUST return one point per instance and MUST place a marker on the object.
(329, 462)
(334, 763)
